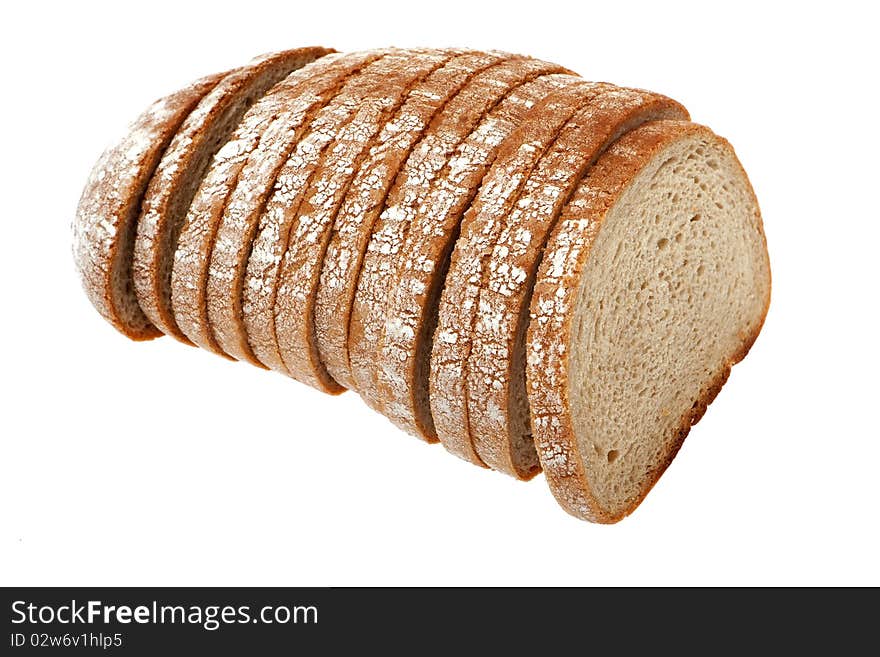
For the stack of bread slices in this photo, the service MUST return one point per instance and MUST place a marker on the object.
(539, 272)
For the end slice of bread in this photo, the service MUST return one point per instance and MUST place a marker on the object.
(654, 282)
(106, 218)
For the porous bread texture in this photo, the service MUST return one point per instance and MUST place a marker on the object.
(253, 324)
(457, 306)
(301, 265)
(284, 109)
(181, 170)
(413, 183)
(105, 224)
(497, 405)
(423, 260)
(654, 283)
(365, 199)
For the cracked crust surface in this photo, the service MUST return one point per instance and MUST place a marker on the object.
(181, 170)
(106, 218)
(457, 309)
(365, 199)
(405, 344)
(557, 326)
(237, 227)
(281, 112)
(279, 220)
(460, 116)
(301, 266)
(497, 405)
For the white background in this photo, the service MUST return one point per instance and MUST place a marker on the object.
(158, 464)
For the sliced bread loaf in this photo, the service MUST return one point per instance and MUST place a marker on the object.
(654, 282)
(243, 295)
(405, 343)
(457, 307)
(288, 106)
(182, 168)
(301, 266)
(106, 218)
(365, 199)
(460, 116)
(497, 406)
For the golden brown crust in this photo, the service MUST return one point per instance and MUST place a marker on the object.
(105, 222)
(405, 343)
(552, 311)
(181, 169)
(365, 199)
(291, 102)
(247, 221)
(413, 182)
(457, 310)
(252, 324)
(301, 265)
(494, 367)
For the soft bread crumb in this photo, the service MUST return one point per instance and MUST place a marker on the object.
(651, 302)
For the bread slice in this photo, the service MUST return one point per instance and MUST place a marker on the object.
(180, 172)
(497, 404)
(457, 307)
(106, 217)
(423, 259)
(301, 266)
(264, 136)
(250, 327)
(461, 115)
(655, 281)
(365, 199)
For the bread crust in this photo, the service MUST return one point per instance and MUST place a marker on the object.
(365, 199)
(244, 210)
(552, 310)
(495, 363)
(191, 149)
(286, 107)
(405, 343)
(410, 188)
(457, 309)
(301, 265)
(105, 222)
(279, 221)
